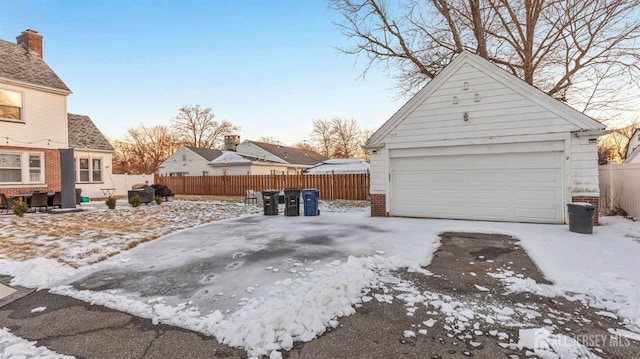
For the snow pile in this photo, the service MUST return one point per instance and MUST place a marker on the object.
(12, 347)
(296, 310)
(36, 272)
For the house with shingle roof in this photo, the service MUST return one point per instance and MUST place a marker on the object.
(93, 155)
(246, 158)
(189, 161)
(260, 158)
(35, 129)
(33, 117)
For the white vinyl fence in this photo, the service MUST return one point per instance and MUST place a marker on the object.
(117, 185)
(620, 188)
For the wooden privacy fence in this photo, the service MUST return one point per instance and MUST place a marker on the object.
(331, 186)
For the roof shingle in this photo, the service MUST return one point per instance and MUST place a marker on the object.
(292, 155)
(18, 64)
(83, 133)
(208, 154)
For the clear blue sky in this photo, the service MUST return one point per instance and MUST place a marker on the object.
(267, 66)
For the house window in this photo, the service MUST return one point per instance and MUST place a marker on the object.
(96, 170)
(34, 168)
(83, 166)
(89, 170)
(10, 105)
(10, 170)
(21, 167)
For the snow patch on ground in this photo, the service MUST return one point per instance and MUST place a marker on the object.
(13, 347)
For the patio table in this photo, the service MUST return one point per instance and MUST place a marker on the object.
(26, 197)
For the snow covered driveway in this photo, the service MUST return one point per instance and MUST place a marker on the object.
(263, 282)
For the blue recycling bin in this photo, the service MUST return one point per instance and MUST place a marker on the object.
(310, 198)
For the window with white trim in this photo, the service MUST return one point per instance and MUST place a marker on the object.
(96, 170)
(88, 170)
(10, 105)
(21, 167)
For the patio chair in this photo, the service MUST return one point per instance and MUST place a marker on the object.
(40, 200)
(57, 200)
(6, 203)
(251, 197)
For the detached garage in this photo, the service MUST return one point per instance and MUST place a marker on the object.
(479, 143)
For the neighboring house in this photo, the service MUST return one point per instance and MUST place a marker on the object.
(233, 163)
(633, 148)
(33, 118)
(93, 155)
(340, 166)
(293, 160)
(479, 143)
(246, 158)
(189, 161)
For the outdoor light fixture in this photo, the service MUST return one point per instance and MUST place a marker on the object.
(466, 116)
(455, 100)
(477, 98)
(465, 86)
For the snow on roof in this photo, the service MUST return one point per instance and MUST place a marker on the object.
(229, 157)
(340, 165)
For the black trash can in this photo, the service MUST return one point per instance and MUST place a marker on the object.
(291, 201)
(270, 202)
(581, 217)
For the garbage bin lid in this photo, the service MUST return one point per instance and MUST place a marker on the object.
(581, 204)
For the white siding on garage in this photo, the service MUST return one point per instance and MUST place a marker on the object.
(584, 169)
(500, 112)
(510, 186)
(378, 182)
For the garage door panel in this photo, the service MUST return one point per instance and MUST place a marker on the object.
(536, 195)
(519, 186)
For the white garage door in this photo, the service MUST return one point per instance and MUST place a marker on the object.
(514, 187)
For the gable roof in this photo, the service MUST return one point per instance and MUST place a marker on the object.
(630, 156)
(291, 155)
(18, 64)
(564, 111)
(632, 140)
(235, 158)
(340, 165)
(83, 133)
(208, 154)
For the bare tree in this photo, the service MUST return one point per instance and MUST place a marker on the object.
(306, 146)
(269, 139)
(339, 138)
(348, 137)
(579, 51)
(197, 127)
(322, 136)
(614, 145)
(144, 148)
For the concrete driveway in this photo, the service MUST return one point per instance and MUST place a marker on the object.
(214, 266)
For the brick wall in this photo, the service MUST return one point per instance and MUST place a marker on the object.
(595, 201)
(51, 169)
(378, 205)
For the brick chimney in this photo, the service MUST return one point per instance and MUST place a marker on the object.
(31, 40)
